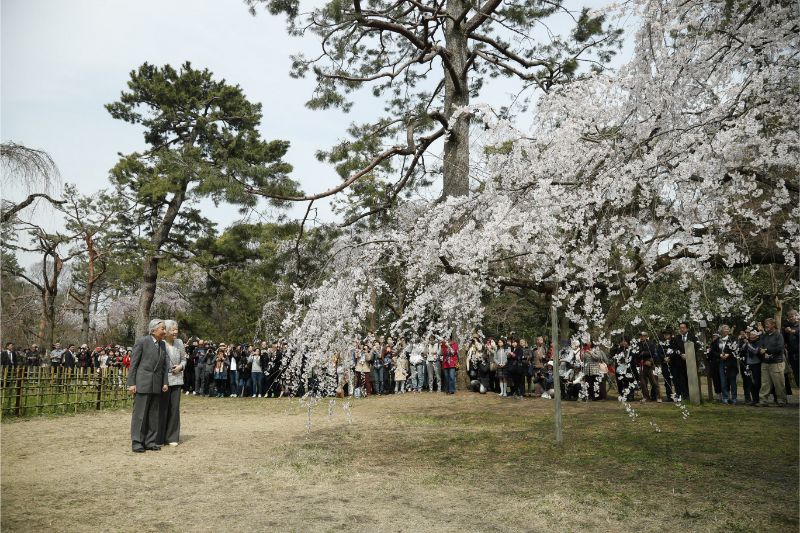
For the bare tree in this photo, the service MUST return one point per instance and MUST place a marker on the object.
(89, 218)
(45, 281)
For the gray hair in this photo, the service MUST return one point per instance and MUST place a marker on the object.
(154, 324)
(169, 324)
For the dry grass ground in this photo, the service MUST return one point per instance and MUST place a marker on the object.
(408, 463)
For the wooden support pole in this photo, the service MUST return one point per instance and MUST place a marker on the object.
(19, 374)
(99, 389)
(556, 376)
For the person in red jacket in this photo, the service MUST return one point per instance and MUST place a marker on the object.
(449, 364)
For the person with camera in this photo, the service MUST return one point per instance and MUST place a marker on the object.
(538, 357)
(255, 360)
(363, 360)
(433, 365)
(450, 364)
(474, 356)
(198, 363)
(544, 385)
(751, 364)
(501, 361)
(417, 361)
(517, 369)
(376, 356)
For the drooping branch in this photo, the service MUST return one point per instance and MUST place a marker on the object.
(13, 209)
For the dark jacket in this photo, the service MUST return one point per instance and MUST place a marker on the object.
(730, 349)
(149, 366)
(773, 344)
(792, 340)
(642, 351)
(10, 358)
(679, 349)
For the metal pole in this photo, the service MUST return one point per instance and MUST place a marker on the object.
(556, 376)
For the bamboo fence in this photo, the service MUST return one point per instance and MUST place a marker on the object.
(32, 391)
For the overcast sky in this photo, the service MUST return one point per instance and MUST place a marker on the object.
(63, 59)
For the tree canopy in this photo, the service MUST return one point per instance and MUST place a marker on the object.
(203, 141)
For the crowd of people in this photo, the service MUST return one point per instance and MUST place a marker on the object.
(70, 357)
(643, 368)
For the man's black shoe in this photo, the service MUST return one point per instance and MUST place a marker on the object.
(154, 448)
(138, 450)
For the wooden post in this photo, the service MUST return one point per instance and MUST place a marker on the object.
(3, 388)
(67, 387)
(556, 376)
(39, 397)
(694, 377)
(99, 388)
(19, 374)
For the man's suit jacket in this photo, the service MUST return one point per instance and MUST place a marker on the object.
(10, 358)
(149, 366)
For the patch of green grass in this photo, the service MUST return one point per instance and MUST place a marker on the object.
(687, 472)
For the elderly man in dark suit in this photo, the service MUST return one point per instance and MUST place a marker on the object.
(147, 379)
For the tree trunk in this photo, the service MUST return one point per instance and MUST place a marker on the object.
(150, 269)
(373, 303)
(456, 94)
(91, 278)
(49, 319)
(147, 294)
(49, 296)
(563, 326)
(85, 315)
(93, 324)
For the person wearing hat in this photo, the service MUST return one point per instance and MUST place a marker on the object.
(84, 357)
(34, 356)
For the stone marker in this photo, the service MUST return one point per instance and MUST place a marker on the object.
(691, 369)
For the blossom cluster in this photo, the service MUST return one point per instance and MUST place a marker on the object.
(682, 162)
